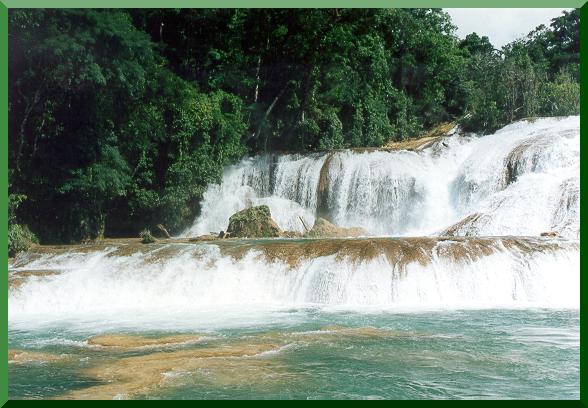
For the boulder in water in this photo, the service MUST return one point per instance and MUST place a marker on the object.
(253, 222)
(466, 227)
(324, 229)
(223, 235)
(550, 234)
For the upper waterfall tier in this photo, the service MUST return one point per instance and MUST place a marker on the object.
(522, 180)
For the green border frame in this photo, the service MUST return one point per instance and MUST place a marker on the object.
(4, 201)
(290, 3)
(583, 175)
(6, 4)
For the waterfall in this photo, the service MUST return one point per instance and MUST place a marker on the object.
(522, 180)
(287, 184)
(459, 225)
(180, 279)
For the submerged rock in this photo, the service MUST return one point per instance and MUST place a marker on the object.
(229, 365)
(27, 357)
(244, 362)
(253, 222)
(324, 229)
(550, 234)
(126, 341)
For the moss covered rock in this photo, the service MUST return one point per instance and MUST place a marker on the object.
(324, 229)
(254, 222)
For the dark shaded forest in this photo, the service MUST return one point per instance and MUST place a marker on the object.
(119, 119)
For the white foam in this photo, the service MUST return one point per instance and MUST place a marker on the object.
(199, 283)
(417, 193)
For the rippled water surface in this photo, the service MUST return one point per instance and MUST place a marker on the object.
(309, 354)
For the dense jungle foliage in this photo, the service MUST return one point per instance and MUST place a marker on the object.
(119, 119)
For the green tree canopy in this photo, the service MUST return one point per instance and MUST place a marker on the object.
(119, 119)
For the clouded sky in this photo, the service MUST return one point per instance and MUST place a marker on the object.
(500, 25)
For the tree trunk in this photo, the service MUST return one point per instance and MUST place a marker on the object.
(257, 80)
(257, 71)
(37, 138)
(163, 231)
(28, 109)
(268, 111)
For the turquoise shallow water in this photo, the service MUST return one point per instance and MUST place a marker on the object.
(317, 354)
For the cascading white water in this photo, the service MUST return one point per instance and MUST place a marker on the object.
(287, 184)
(522, 180)
(184, 318)
(178, 279)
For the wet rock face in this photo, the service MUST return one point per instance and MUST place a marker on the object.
(324, 229)
(550, 234)
(254, 222)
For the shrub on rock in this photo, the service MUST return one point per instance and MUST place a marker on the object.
(20, 238)
(146, 237)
